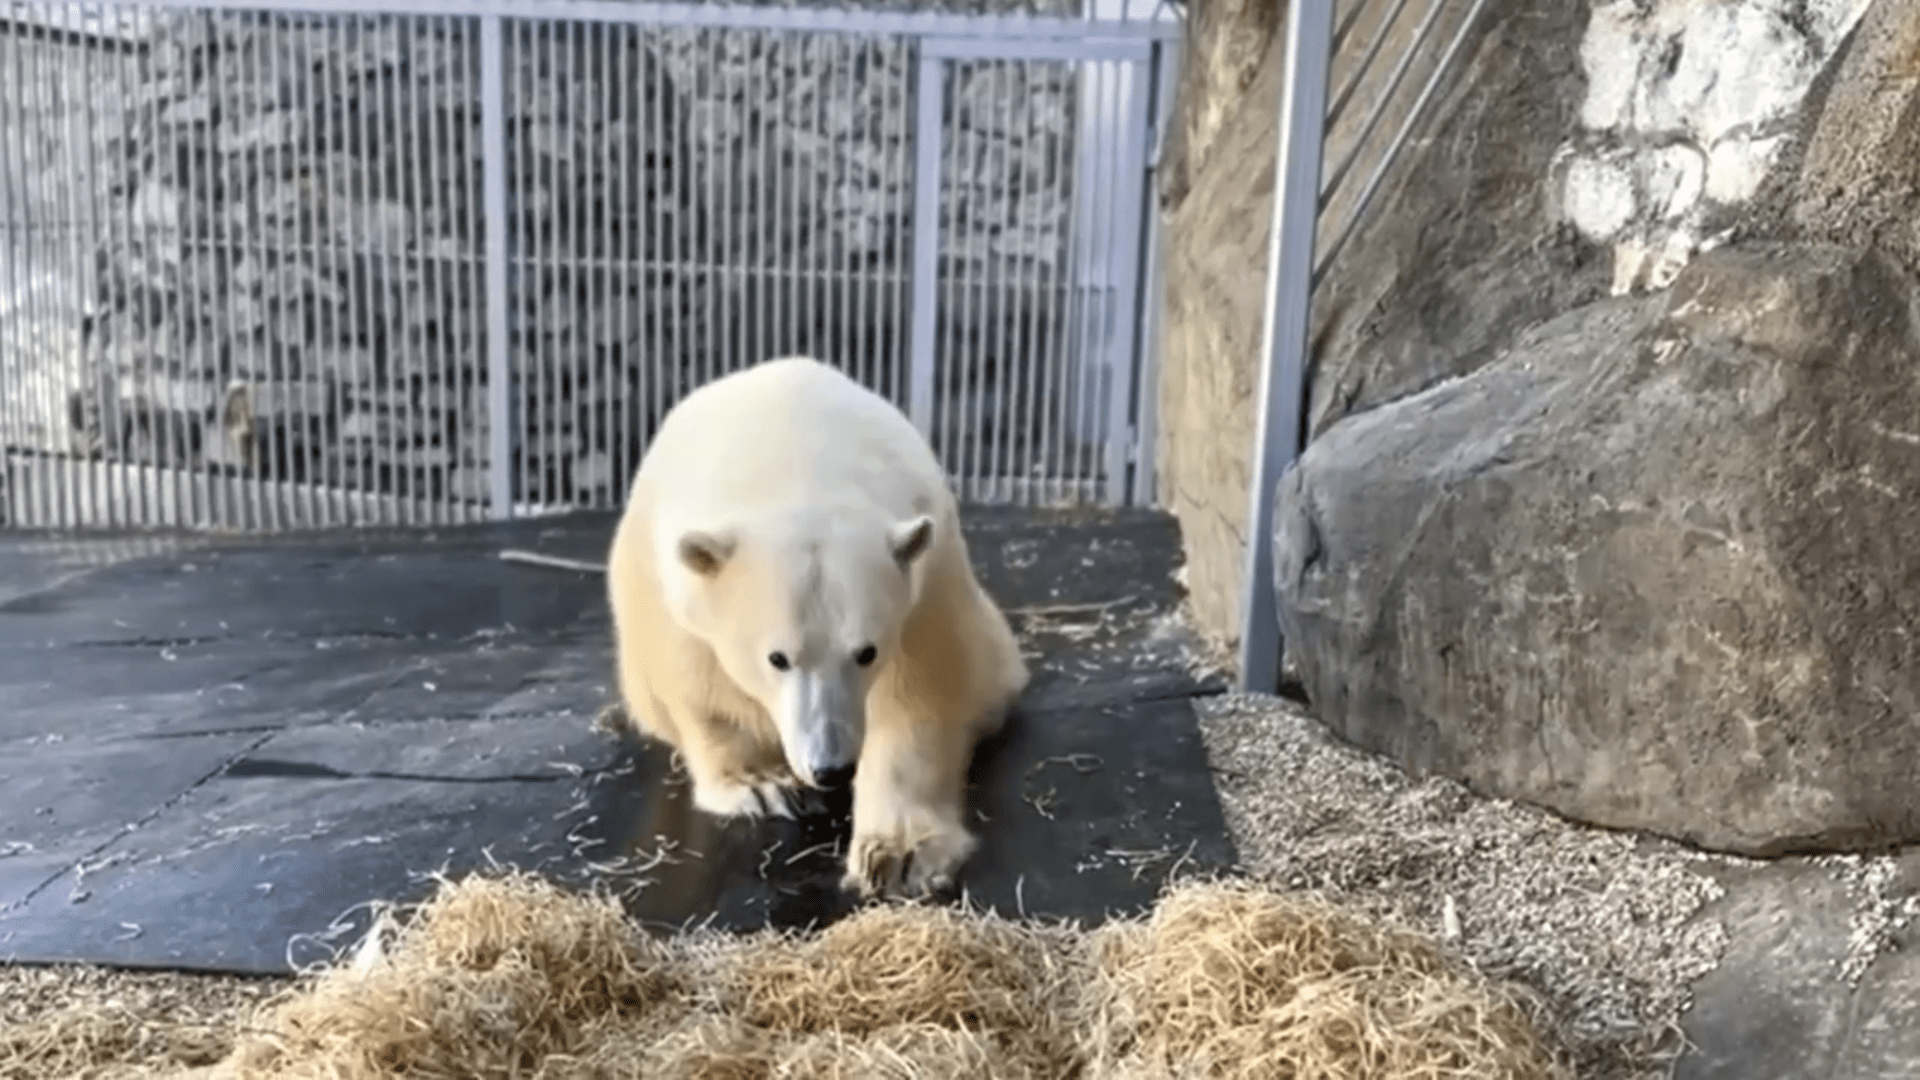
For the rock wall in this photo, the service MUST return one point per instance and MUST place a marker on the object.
(1507, 573)
(1460, 249)
(1687, 109)
(289, 280)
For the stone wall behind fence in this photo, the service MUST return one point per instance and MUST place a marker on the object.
(288, 280)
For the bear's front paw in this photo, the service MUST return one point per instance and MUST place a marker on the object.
(744, 798)
(905, 861)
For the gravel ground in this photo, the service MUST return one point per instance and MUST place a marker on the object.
(1602, 924)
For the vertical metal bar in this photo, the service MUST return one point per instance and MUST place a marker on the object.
(926, 239)
(627, 166)
(1052, 398)
(304, 475)
(47, 219)
(535, 225)
(563, 179)
(224, 501)
(711, 161)
(13, 389)
(573, 354)
(728, 268)
(1131, 205)
(329, 480)
(1097, 201)
(50, 217)
(437, 266)
(845, 281)
(819, 176)
(666, 285)
(475, 291)
(783, 208)
(227, 477)
(898, 278)
(143, 479)
(952, 308)
(980, 300)
(1303, 111)
(654, 191)
(493, 150)
(1153, 290)
(1013, 288)
(591, 414)
(36, 463)
(990, 414)
(16, 397)
(409, 269)
(85, 489)
(101, 221)
(762, 268)
(362, 497)
(960, 360)
(856, 318)
(200, 251)
(378, 501)
(1023, 392)
(793, 331)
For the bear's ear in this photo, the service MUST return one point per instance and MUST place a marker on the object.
(705, 553)
(909, 539)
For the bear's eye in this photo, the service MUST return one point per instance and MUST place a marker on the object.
(865, 655)
(779, 661)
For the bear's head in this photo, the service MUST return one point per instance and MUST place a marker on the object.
(803, 611)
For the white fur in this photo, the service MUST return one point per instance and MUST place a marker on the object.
(787, 509)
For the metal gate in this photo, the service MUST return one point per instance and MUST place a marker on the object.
(344, 262)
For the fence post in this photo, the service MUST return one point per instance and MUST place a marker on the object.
(1296, 197)
(493, 151)
(1133, 203)
(1153, 285)
(926, 239)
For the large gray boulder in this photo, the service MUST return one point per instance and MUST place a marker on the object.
(1657, 566)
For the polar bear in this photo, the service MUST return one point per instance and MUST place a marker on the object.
(793, 607)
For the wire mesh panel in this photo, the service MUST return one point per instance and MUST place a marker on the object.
(280, 311)
(272, 268)
(1040, 204)
(687, 202)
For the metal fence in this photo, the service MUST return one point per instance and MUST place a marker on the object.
(1347, 111)
(330, 262)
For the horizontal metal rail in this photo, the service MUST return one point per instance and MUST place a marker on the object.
(716, 16)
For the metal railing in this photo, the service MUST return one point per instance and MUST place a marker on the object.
(294, 263)
(1316, 211)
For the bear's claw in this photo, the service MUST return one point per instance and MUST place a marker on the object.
(884, 865)
(744, 798)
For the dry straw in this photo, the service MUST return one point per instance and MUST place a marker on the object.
(510, 976)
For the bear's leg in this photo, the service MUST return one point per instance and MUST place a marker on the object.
(909, 806)
(732, 774)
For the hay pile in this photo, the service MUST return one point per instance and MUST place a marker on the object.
(109, 1025)
(509, 976)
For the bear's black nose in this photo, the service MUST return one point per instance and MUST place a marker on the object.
(835, 778)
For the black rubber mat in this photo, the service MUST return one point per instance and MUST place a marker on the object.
(215, 752)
